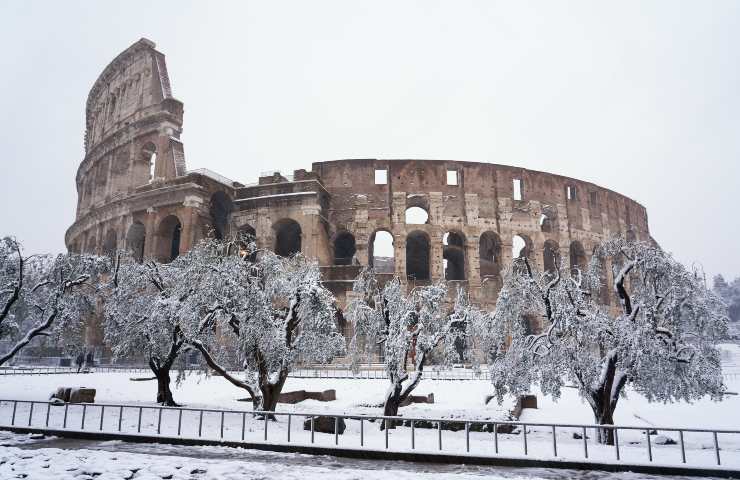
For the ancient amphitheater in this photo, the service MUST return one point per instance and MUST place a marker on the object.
(421, 220)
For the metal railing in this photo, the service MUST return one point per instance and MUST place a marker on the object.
(486, 438)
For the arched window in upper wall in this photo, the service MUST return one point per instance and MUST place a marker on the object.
(344, 249)
(135, 240)
(578, 261)
(382, 254)
(287, 237)
(416, 216)
(453, 255)
(110, 245)
(168, 239)
(551, 256)
(417, 256)
(220, 210)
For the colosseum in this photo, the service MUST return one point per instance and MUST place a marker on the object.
(420, 220)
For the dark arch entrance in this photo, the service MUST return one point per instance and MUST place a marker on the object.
(417, 256)
(287, 237)
(344, 248)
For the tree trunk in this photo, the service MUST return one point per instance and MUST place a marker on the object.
(164, 394)
(271, 392)
(392, 404)
(604, 415)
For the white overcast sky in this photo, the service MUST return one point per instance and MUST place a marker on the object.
(639, 96)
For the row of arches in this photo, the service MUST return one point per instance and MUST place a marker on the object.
(168, 240)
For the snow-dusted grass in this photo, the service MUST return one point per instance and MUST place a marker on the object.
(460, 399)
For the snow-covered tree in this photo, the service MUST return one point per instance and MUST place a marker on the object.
(661, 342)
(45, 296)
(261, 312)
(405, 327)
(730, 293)
(144, 314)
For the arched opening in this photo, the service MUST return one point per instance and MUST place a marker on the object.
(168, 239)
(149, 154)
(287, 237)
(577, 258)
(551, 256)
(416, 216)
(135, 240)
(453, 255)
(521, 246)
(417, 256)
(220, 209)
(344, 249)
(489, 251)
(547, 219)
(382, 255)
(110, 244)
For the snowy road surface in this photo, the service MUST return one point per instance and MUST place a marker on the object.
(64, 459)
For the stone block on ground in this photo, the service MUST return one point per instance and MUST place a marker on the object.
(324, 424)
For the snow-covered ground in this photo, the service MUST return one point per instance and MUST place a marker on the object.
(453, 399)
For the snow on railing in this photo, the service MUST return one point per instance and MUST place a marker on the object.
(632, 445)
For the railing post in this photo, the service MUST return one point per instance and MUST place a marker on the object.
(336, 430)
(159, 421)
(439, 434)
(495, 437)
(467, 437)
(312, 430)
(266, 417)
(84, 411)
(222, 424)
(289, 419)
(649, 445)
(616, 441)
(15, 407)
(30, 415)
(138, 427)
(524, 437)
(64, 422)
(413, 436)
(385, 423)
(554, 442)
(716, 447)
(683, 448)
(102, 415)
(244, 423)
(362, 432)
(585, 443)
(120, 417)
(200, 423)
(48, 410)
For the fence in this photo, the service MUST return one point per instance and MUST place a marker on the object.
(696, 447)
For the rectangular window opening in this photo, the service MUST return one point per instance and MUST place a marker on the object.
(451, 177)
(381, 176)
(570, 192)
(518, 190)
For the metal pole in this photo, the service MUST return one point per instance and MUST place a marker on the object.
(102, 415)
(84, 411)
(179, 422)
(616, 441)
(266, 417)
(200, 423)
(524, 436)
(683, 449)
(716, 447)
(385, 422)
(649, 445)
(120, 417)
(554, 442)
(64, 423)
(413, 435)
(48, 410)
(362, 432)
(585, 443)
(336, 430)
(289, 419)
(467, 437)
(159, 421)
(138, 428)
(439, 434)
(15, 406)
(244, 423)
(30, 414)
(312, 430)
(222, 424)
(495, 437)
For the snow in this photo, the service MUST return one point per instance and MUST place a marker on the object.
(458, 399)
(277, 195)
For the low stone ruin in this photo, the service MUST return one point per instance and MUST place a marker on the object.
(324, 424)
(301, 395)
(74, 395)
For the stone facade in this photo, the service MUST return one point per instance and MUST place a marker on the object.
(134, 192)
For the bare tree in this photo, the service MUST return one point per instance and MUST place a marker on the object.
(44, 296)
(661, 341)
